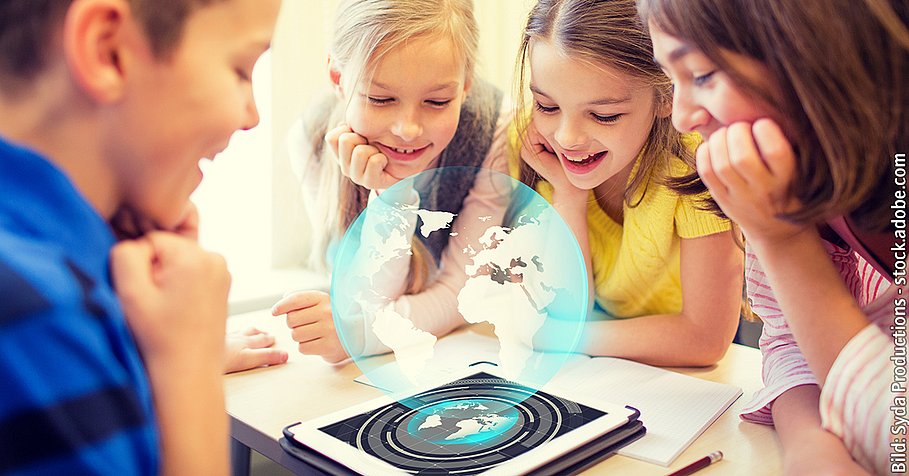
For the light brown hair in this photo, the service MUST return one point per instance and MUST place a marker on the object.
(838, 70)
(609, 32)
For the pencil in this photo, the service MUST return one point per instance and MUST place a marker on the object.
(699, 464)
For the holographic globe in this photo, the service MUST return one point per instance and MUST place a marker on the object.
(525, 277)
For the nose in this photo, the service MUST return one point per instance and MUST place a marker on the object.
(570, 135)
(407, 126)
(687, 115)
(251, 113)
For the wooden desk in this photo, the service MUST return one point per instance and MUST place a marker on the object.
(262, 402)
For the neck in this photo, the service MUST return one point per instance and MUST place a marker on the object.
(63, 126)
(610, 194)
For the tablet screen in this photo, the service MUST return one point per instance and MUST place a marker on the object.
(467, 426)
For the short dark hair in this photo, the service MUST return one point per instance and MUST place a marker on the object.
(26, 25)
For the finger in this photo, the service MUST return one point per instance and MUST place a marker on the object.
(744, 157)
(358, 160)
(298, 300)
(328, 349)
(334, 134)
(311, 322)
(775, 149)
(259, 341)
(252, 358)
(251, 331)
(706, 172)
(346, 144)
(262, 357)
(374, 172)
(719, 159)
(131, 268)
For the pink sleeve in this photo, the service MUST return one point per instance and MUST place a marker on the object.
(857, 398)
(435, 310)
(784, 367)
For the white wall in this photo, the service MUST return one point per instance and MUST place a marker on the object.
(249, 200)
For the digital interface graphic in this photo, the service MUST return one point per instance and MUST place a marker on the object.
(464, 427)
(524, 274)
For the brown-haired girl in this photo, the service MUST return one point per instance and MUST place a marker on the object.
(803, 106)
(600, 146)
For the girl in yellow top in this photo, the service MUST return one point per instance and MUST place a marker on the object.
(600, 146)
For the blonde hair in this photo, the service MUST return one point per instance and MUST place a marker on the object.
(609, 32)
(365, 31)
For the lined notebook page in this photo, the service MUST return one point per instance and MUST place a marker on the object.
(675, 408)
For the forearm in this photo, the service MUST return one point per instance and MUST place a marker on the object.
(819, 309)
(189, 401)
(575, 216)
(673, 340)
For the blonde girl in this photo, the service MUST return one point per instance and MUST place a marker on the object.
(405, 99)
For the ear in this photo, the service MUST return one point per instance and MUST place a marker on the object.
(334, 74)
(663, 105)
(92, 36)
(467, 84)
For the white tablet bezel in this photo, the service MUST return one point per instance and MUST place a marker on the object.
(308, 432)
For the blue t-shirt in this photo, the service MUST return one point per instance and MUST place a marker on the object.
(74, 396)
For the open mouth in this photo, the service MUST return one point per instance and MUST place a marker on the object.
(402, 154)
(583, 164)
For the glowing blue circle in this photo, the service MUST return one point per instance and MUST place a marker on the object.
(463, 422)
(526, 277)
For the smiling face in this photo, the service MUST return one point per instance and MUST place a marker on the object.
(185, 106)
(595, 118)
(410, 106)
(705, 98)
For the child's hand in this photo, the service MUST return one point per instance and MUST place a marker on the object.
(539, 155)
(312, 326)
(128, 224)
(174, 297)
(249, 349)
(748, 169)
(364, 164)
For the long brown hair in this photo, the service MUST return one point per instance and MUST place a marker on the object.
(609, 32)
(838, 70)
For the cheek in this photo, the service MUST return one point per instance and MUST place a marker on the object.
(444, 128)
(369, 123)
(729, 105)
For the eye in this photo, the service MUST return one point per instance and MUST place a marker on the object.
(703, 79)
(610, 119)
(379, 101)
(439, 104)
(545, 109)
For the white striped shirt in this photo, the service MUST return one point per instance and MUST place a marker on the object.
(855, 399)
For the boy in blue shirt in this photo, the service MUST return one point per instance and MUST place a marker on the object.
(111, 354)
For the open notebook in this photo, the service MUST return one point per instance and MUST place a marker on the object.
(675, 408)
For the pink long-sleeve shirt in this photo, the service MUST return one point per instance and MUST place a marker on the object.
(856, 397)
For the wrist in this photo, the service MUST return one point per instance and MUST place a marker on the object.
(795, 239)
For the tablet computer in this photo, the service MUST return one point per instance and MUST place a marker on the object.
(478, 423)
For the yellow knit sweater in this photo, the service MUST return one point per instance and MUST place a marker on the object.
(636, 267)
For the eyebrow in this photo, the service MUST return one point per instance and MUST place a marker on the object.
(675, 54)
(597, 102)
(438, 87)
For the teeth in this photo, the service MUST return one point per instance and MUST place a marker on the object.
(403, 151)
(579, 158)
